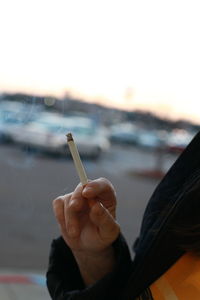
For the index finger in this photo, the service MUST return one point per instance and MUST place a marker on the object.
(77, 193)
(76, 202)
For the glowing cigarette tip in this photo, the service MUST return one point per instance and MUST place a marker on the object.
(76, 158)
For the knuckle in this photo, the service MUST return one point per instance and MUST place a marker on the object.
(61, 202)
(57, 201)
(104, 180)
(73, 204)
(107, 183)
(66, 199)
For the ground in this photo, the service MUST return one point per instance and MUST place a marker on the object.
(30, 181)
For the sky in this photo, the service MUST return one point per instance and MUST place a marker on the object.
(124, 53)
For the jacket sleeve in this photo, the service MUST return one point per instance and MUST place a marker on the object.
(64, 280)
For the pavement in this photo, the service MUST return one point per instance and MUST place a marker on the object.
(23, 285)
(28, 183)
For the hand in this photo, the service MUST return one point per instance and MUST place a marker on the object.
(87, 222)
(87, 217)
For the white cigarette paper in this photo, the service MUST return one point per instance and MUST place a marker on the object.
(77, 160)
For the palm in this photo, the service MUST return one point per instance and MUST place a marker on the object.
(90, 238)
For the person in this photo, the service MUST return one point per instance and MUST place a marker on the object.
(91, 259)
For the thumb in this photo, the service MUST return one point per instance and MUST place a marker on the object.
(108, 228)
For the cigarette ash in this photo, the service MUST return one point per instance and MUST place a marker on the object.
(69, 137)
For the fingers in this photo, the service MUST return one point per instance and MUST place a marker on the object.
(58, 208)
(97, 187)
(76, 196)
(96, 201)
(65, 213)
(72, 208)
(107, 226)
(102, 190)
(67, 210)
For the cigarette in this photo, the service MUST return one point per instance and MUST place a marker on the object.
(77, 160)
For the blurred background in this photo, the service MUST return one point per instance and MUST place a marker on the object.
(123, 77)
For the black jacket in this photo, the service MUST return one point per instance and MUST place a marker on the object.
(175, 200)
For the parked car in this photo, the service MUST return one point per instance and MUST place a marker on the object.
(47, 133)
(151, 139)
(13, 116)
(124, 133)
(178, 139)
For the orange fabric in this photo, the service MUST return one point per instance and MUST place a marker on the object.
(180, 282)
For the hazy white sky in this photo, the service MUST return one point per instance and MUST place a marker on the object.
(126, 53)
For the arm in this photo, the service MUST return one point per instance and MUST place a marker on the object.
(64, 280)
(94, 266)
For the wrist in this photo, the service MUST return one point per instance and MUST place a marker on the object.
(95, 265)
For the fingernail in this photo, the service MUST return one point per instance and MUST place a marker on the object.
(100, 210)
(87, 189)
